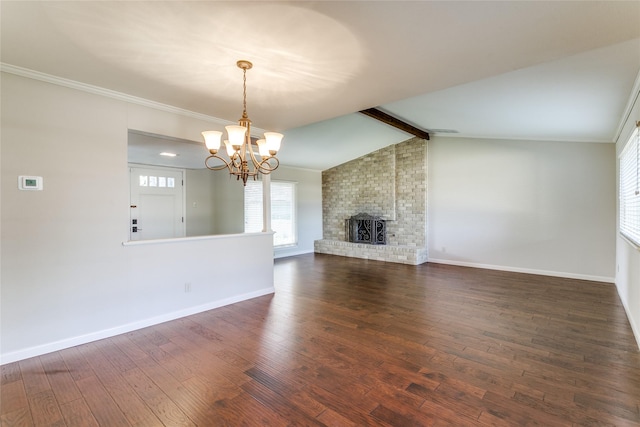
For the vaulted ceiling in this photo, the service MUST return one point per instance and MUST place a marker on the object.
(537, 70)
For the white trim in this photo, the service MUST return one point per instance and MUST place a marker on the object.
(525, 270)
(266, 203)
(300, 169)
(519, 138)
(158, 167)
(629, 241)
(633, 98)
(283, 253)
(111, 332)
(189, 239)
(634, 328)
(108, 93)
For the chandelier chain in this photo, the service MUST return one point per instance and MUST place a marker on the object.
(244, 93)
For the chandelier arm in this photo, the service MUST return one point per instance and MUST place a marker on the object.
(235, 162)
(252, 154)
(266, 167)
(220, 167)
(265, 164)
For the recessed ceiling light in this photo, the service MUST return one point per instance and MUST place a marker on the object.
(168, 154)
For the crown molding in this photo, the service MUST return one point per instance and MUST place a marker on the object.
(96, 90)
(631, 103)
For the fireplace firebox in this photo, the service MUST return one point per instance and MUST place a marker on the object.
(365, 228)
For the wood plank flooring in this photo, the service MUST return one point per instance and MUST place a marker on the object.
(349, 342)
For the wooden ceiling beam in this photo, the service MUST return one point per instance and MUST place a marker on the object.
(395, 122)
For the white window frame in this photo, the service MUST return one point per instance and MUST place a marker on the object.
(629, 191)
(253, 219)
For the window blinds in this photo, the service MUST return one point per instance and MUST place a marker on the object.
(630, 189)
(253, 207)
(283, 219)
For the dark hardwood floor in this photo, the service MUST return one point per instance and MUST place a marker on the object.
(349, 342)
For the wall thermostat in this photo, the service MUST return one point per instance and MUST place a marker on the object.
(30, 182)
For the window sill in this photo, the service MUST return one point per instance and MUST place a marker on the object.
(631, 243)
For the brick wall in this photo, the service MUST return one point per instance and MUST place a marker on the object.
(366, 184)
(390, 183)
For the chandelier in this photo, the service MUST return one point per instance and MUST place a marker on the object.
(243, 162)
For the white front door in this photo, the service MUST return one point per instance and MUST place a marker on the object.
(157, 204)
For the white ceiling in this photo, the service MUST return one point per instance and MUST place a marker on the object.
(538, 70)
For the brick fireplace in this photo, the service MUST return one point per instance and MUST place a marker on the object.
(390, 184)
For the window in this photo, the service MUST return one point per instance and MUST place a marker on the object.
(630, 189)
(283, 218)
(160, 181)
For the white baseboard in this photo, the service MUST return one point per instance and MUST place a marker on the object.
(284, 253)
(525, 270)
(107, 333)
(634, 327)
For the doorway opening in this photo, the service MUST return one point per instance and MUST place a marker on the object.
(156, 203)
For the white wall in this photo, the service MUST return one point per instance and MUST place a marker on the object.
(530, 206)
(627, 255)
(66, 278)
(199, 202)
(228, 204)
